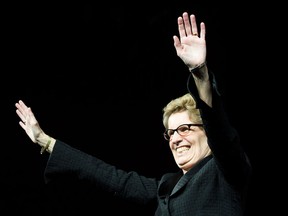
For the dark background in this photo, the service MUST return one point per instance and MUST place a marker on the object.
(97, 77)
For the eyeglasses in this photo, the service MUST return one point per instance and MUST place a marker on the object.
(182, 130)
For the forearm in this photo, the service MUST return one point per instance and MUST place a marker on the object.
(203, 84)
(204, 91)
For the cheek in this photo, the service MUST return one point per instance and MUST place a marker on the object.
(198, 139)
(171, 145)
(203, 140)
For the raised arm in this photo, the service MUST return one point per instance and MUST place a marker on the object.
(191, 48)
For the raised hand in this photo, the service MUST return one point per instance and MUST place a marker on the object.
(191, 46)
(28, 121)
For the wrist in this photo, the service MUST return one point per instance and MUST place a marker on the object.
(197, 67)
(42, 139)
(46, 146)
(46, 142)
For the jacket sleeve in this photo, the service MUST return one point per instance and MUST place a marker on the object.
(223, 139)
(66, 161)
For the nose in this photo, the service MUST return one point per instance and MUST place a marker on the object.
(176, 137)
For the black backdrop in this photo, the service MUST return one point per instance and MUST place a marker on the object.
(97, 78)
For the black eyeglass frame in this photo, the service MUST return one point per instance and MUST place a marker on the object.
(167, 137)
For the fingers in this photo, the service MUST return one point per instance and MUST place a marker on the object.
(22, 111)
(177, 42)
(202, 30)
(187, 26)
(181, 27)
(193, 25)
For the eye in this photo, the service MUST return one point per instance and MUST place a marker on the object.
(170, 132)
(183, 129)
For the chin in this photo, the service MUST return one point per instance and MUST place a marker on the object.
(185, 165)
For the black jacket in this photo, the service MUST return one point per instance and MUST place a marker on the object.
(216, 186)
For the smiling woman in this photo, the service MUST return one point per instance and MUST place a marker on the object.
(206, 147)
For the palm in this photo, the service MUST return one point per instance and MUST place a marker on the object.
(32, 127)
(192, 50)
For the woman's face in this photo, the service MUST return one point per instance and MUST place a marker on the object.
(190, 148)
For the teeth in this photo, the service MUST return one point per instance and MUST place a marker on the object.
(184, 148)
